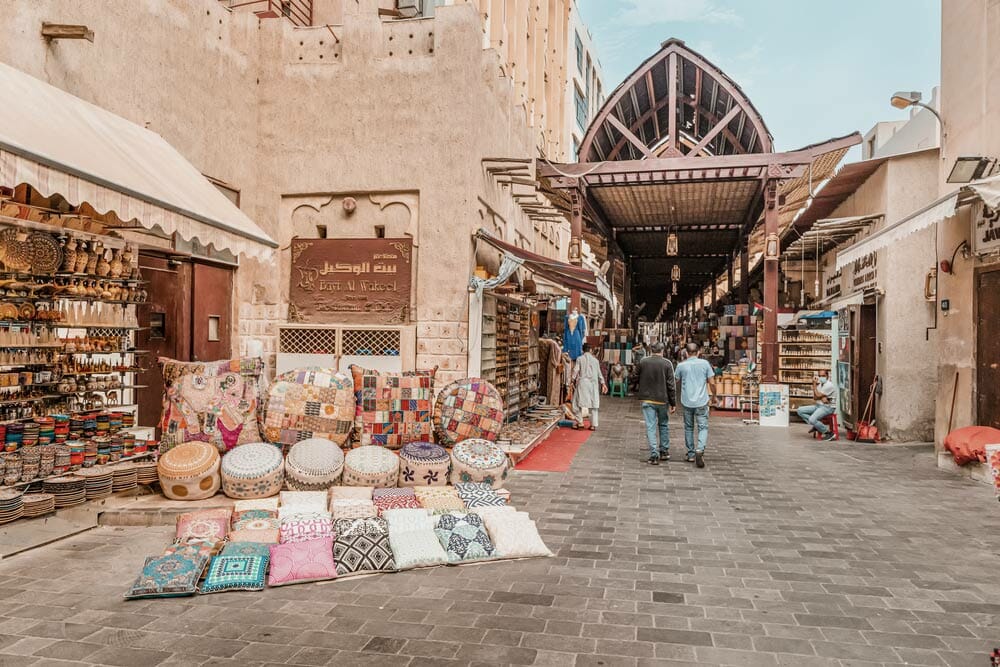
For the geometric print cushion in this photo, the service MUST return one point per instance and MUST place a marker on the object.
(299, 562)
(353, 509)
(364, 552)
(303, 529)
(479, 495)
(172, 575)
(310, 403)
(235, 573)
(247, 549)
(396, 501)
(469, 408)
(463, 537)
(367, 526)
(393, 408)
(439, 498)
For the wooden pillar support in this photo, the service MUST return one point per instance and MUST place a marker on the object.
(770, 338)
(744, 293)
(576, 237)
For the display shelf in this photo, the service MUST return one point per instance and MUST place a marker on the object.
(31, 399)
(39, 480)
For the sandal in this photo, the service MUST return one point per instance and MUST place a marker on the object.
(591, 428)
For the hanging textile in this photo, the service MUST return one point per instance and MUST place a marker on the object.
(508, 266)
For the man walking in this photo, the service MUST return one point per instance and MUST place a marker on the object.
(657, 395)
(825, 392)
(697, 378)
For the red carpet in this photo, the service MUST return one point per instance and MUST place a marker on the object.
(555, 453)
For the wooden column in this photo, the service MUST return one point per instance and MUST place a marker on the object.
(576, 237)
(731, 275)
(715, 291)
(744, 293)
(770, 341)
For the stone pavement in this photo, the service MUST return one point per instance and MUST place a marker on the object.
(783, 551)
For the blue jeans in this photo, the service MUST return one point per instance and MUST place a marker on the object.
(657, 418)
(812, 414)
(691, 415)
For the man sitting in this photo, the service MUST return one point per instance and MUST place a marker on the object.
(825, 393)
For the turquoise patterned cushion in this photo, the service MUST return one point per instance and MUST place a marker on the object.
(170, 575)
(247, 549)
(235, 573)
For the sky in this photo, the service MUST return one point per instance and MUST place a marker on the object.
(815, 69)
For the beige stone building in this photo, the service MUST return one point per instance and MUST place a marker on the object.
(427, 126)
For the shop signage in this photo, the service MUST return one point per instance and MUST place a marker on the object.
(833, 285)
(350, 280)
(864, 273)
(985, 229)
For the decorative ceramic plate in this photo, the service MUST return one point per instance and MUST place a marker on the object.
(46, 255)
(8, 311)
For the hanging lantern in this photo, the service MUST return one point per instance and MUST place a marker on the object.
(771, 248)
(671, 245)
(675, 273)
(673, 289)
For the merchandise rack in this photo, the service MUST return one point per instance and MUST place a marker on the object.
(510, 359)
(801, 354)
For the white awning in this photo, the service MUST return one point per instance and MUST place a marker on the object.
(988, 190)
(59, 144)
(925, 217)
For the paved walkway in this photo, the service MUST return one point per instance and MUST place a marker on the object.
(783, 551)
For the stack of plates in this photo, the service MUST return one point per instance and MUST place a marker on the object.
(69, 490)
(99, 481)
(11, 505)
(146, 472)
(124, 477)
(37, 504)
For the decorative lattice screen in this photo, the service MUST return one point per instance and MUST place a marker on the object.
(370, 342)
(308, 341)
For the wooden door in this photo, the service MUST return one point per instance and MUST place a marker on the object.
(211, 312)
(988, 348)
(866, 369)
(165, 323)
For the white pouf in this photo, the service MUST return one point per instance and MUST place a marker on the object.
(253, 470)
(190, 471)
(476, 460)
(313, 464)
(423, 464)
(371, 466)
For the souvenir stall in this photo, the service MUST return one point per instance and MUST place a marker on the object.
(805, 347)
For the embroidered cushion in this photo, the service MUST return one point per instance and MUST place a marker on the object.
(247, 549)
(313, 464)
(189, 471)
(351, 493)
(366, 526)
(266, 523)
(371, 466)
(303, 501)
(310, 403)
(478, 461)
(423, 464)
(194, 547)
(208, 525)
(479, 495)
(393, 408)
(268, 536)
(235, 573)
(171, 575)
(214, 402)
(387, 499)
(362, 545)
(463, 537)
(299, 562)
(416, 548)
(514, 534)
(439, 498)
(256, 504)
(254, 514)
(254, 470)
(469, 408)
(306, 527)
(353, 509)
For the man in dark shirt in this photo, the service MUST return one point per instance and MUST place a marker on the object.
(657, 395)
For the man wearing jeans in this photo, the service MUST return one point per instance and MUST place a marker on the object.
(657, 395)
(824, 391)
(697, 378)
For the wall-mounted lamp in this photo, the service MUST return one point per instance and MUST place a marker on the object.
(772, 248)
(948, 265)
(967, 169)
(672, 245)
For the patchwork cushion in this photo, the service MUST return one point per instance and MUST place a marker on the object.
(514, 534)
(423, 464)
(256, 504)
(439, 498)
(235, 573)
(303, 501)
(469, 408)
(362, 545)
(393, 408)
(254, 470)
(299, 562)
(247, 549)
(463, 537)
(371, 466)
(351, 493)
(171, 575)
(308, 527)
(214, 402)
(387, 499)
(479, 495)
(313, 464)
(353, 509)
(478, 461)
(189, 471)
(310, 403)
(208, 525)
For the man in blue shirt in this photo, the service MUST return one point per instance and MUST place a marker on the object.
(697, 378)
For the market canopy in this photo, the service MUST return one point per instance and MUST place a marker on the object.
(60, 144)
(560, 273)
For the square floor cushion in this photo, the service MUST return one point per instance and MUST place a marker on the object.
(463, 537)
(265, 504)
(247, 549)
(235, 573)
(213, 402)
(439, 498)
(362, 545)
(301, 562)
(479, 495)
(393, 408)
(171, 575)
(306, 527)
(194, 547)
(210, 525)
(310, 403)
(303, 501)
(513, 533)
(353, 509)
(412, 538)
(387, 499)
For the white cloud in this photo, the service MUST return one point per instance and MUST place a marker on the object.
(651, 12)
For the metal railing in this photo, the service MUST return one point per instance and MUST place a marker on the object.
(299, 12)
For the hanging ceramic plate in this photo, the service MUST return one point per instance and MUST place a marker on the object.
(26, 311)
(46, 253)
(8, 311)
(18, 255)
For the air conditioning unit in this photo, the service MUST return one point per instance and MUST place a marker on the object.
(410, 8)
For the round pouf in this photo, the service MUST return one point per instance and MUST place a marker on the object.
(190, 471)
(423, 464)
(478, 460)
(253, 470)
(313, 465)
(371, 466)
(469, 408)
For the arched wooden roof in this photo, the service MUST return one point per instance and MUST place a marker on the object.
(675, 104)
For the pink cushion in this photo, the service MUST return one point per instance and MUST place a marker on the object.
(210, 525)
(309, 527)
(299, 562)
